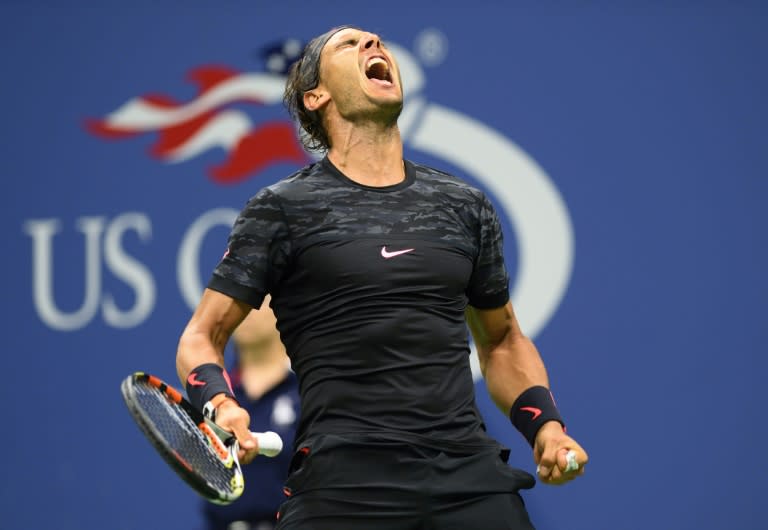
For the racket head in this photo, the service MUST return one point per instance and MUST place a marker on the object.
(184, 438)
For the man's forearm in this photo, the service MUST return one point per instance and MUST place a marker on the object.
(511, 367)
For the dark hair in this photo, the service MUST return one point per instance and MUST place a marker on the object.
(304, 75)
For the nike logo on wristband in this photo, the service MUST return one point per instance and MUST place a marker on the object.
(533, 410)
(386, 254)
(192, 380)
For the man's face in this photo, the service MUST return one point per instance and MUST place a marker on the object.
(360, 73)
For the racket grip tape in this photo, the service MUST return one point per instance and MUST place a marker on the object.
(270, 443)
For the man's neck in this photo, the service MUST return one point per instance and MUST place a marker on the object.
(369, 156)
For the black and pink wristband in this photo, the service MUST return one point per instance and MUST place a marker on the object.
(532, 409)
(206, 381)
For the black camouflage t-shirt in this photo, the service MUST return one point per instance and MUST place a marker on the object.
(369, 286)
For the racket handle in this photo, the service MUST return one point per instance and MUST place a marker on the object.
(270, 443)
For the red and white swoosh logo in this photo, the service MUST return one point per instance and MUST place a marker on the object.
(386, 255)
(192, 380)
(533, 410)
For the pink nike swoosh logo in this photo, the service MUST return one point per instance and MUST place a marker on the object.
(386, 255)
(192, 380)
(533, 410)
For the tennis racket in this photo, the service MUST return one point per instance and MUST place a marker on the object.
(198, 450)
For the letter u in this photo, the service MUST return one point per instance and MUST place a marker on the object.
(42, 232)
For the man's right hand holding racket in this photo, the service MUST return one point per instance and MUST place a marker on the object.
(199, 363)
(233, 418)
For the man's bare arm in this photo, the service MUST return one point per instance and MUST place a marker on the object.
(203, 341)
(509, 360)
(207, 332)
(513, 368)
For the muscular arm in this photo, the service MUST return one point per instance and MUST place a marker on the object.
(509, 361)
(511, 364)
(207, 333)
(203, 341)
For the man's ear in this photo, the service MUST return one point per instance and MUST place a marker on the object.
(315, 99)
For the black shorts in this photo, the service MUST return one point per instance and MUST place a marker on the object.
(338, 485)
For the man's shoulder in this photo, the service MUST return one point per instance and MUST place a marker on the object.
(312, 181)
(297, 179)
(296, 184)
(444, 180)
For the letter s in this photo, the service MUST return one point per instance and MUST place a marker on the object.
(128, 269)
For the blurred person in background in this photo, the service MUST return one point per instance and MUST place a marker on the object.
(265, 386)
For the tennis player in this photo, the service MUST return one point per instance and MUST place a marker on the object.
(376, 265)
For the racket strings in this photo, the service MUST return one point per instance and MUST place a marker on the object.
(183, 437)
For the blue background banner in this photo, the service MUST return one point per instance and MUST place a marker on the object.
(624, 144)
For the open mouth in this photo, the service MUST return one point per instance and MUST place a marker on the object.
(377, 69)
